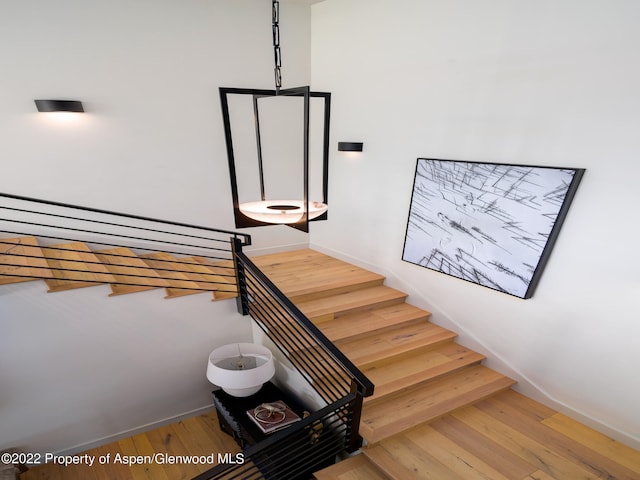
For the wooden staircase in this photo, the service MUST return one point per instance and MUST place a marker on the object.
(74, 265)
(437, 411)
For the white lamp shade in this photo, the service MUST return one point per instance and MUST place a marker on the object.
(240, 369)
(281, 211)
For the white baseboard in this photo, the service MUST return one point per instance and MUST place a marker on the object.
(252, 252)
(134, 431)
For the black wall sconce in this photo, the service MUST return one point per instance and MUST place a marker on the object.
(59, 106)
(349, 146)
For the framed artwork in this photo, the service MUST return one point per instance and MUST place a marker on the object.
(488, 223)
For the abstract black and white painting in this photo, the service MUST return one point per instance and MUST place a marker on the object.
(491, 224)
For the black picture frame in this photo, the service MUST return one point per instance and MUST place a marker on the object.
(492, 224)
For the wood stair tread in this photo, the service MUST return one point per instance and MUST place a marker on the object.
(392, 468)
(74, 265)
(220, 274)
(364, 323)
(181, 281)
(131, 273)
(400, 341)
(426, 402)
(402, 459)
(22, 260)
(329, 308)
(419, 367)
(357, 467)
(305, 274)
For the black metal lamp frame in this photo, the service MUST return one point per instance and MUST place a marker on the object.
(242, 221)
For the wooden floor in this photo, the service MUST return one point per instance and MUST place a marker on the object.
(505, 437)
(194, 436)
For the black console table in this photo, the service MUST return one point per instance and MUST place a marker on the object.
(232, 412)
(233, 419)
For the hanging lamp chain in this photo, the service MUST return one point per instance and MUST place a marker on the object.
(277, 57)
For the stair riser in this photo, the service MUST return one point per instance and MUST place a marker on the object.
(402, 384)
(385, 463)
(365, 361)
(343, 310)
(354, 468)
(71, 263)
(361, 334)
(178, 292)
(23, 258)
(364, 308)
(127, 267)
(305, 297)
(375, 434)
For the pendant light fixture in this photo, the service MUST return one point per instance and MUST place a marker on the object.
(270, 181)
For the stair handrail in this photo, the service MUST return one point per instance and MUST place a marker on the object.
(274, 457)
(291, 451)
(48, 219)
(364, 386)
(245, 238)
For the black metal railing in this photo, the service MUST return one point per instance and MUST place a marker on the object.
(63, 232)
(339, 385)
(325, 367)
(296, 451)
(335, 379)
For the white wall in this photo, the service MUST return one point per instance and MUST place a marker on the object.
(148, 73)
(77, 367)
(543, 83)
